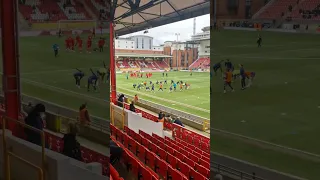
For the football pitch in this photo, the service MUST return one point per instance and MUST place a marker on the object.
(194, 100)
(51, 79)
(281, 107)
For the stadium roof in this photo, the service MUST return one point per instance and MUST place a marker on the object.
(153, 13)
(142, 55)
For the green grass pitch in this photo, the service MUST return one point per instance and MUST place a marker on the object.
(195, 100)
(51, 79)
(282, 106)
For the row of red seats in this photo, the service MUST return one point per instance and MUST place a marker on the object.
(114, 175)
(56, 144)
(134, 165)
(179, 130)
(190, 151)
(194, 157)
(192, 137)
(153, 152)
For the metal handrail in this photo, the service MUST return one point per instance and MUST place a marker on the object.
(8, 154)
(230, 171)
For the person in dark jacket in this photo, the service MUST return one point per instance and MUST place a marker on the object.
(121, 100)
(132, 108)
(178, 121)
(71, 145)
(115, 152)
(35, 119)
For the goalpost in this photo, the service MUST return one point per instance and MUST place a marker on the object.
(76, 24)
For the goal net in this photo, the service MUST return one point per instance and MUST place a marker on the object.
(76, 24)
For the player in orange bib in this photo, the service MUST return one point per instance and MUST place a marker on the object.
(227, 80)
(161, 87)
(250, 76)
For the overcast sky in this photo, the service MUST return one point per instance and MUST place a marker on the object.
(167, 32)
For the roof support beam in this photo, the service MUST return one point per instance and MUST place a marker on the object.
(139, 9)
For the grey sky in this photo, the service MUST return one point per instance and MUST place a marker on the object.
(167, 32)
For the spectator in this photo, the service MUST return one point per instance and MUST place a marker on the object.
(71, 146)
(177, 121)
(161, 115)
(35, 119)
(115, 151)
(132, 108)
(84, 115)
(136, 98)
(121, 100)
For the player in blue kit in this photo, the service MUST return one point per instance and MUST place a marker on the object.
(78, 76)
(217, 67)
(55, 49)
(92, 81)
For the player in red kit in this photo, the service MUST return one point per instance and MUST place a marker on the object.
(66, 41)
(72, 41)
(80, 45)
(89, 44)
(101, 44)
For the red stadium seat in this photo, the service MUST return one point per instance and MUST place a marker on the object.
(162, 168)
(183, 168)
(113, 172)
(125, 141)
(169, 150)
(196, 176)
(150, 159)
(153, 147)
(162, 145)
(190, 162)
(176, 175)
(145, 142)
(133, 165)
(179, 155)
(202, 170)
(126, 129)
(132, 145)
(137, 137)
(141, 153)
(194, 158)
(145, 174)
(204, 163)
(172, 160)
(190, 139)
(196, 143)
(162, 153)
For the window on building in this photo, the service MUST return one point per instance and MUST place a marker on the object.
(137, 43)
(142, 43)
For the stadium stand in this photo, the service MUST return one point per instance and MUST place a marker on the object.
(52, 11)
(98, 7)
(74, 10)
(153, 156)
(308, 9)
(277, 9)
(141, 64)
(36, 11)
(200, 63)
